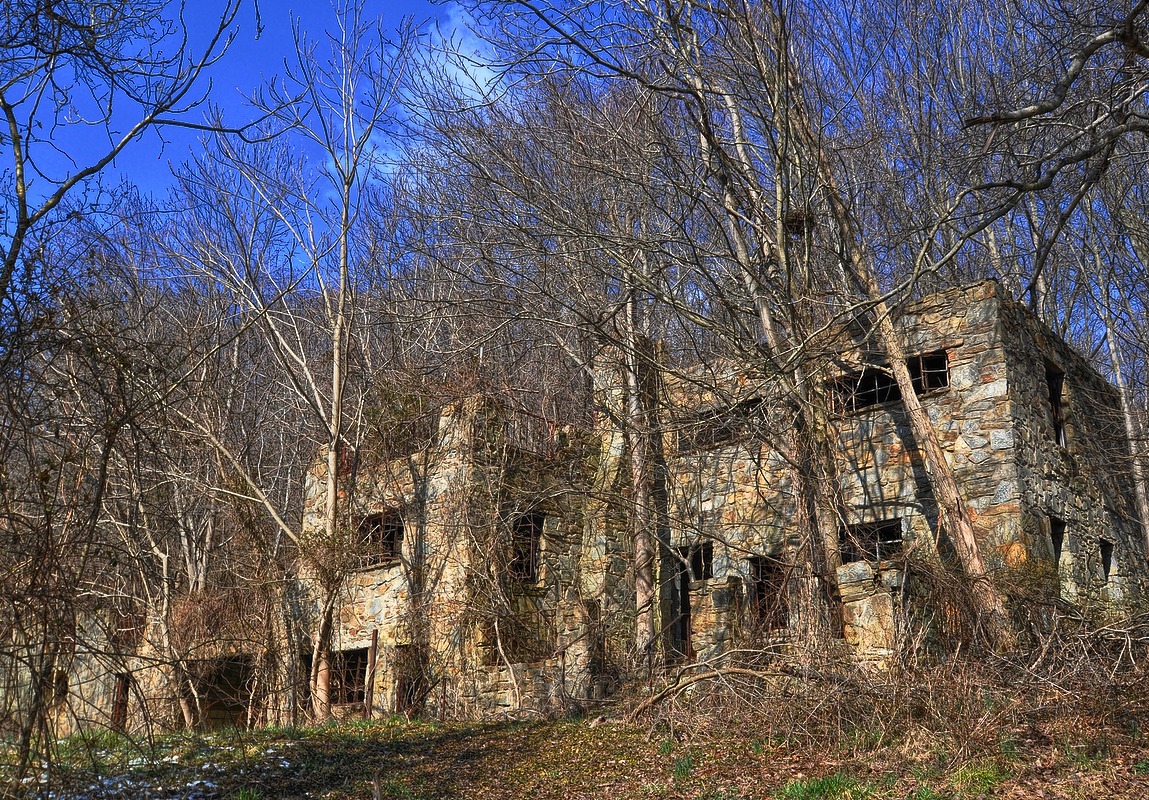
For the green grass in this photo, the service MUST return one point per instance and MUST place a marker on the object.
(246, 794)
(683, 767)
(831, 787)
(561, 760)
(978, 778)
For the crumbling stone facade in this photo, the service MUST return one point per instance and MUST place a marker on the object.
(1030, 430)
(474, 611)
(480, 577)
(1032, 433)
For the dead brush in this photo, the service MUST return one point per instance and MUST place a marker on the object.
(1078, 688)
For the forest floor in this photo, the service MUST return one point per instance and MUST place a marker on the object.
(568, 759)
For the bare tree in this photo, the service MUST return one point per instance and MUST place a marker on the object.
(341, 119)
(120, 69)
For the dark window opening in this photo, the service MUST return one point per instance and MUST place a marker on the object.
(1106, 559)
(120, 698)
(348, 677)
(381, 538)
(875, 385)
(526, 539)
(1055, 383)
(769, 604)
(720, 427)
(871, 387)
(695, 563)
(871, 541)
(929, 371)
(1056, 537)
(225, 687)
(699, 560)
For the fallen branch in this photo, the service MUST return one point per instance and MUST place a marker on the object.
(682, 684)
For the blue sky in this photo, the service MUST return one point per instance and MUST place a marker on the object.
(255, 57)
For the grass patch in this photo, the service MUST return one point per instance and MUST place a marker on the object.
(831, 787)
(978, 778)
(567, 760)
(683, 767)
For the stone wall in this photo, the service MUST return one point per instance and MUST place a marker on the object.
(453, 620)
(482, 643)
(993, 423)
(1081, 478)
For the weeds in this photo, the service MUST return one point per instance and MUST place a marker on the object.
(832, 787)
(246, 794)
(683, 767)
(978, 778)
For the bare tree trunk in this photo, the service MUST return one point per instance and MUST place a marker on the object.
(956, 521)
(638, 434)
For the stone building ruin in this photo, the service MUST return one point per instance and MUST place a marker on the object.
(1031, 431)
(492, 579)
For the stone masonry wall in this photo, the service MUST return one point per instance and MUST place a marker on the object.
(1084, 481)
(739, 494)
(995, 426)
(447, 597)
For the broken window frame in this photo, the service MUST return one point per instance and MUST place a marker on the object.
(347, 676)
(871, 542)
(875, 384)
(380, 538)
(930, 372)
(525, 560)
(767, 592)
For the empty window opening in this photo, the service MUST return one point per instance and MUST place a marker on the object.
(1056, 537)
(120, 698)
(380, 538)
(768, 599)
(724, 426)
(1106, 559)
(348, 677)
(929, 371)
(699, 560)
(1055, 384)
(871, 541)
(875, 385)
(526, 541)
(695, 563)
